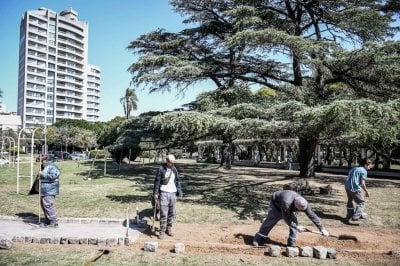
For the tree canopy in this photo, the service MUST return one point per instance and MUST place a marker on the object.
(315, 59)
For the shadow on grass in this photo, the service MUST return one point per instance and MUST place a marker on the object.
(28, 217)
(244, 190)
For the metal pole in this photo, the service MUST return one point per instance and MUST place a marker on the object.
(33, 136)
(19, 159)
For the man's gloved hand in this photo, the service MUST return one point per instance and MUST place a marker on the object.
(324, 232)
(300, 229)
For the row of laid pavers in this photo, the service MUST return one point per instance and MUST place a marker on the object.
(318, 252)
(34, 219)
(6, 242)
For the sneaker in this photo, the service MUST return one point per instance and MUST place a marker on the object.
(255, 243)
(364, 215)
(161, 235)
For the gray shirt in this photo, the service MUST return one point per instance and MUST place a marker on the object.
(284, 200)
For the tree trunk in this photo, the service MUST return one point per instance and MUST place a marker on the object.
(227, 151)
(306, 160)
(228, 155)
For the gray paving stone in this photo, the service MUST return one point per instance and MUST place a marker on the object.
(5, 242)
(92, 241)
(395, 253)
(292, 251)
(111, 241)
(73, 240)
(306, 251)
(320, 252)
(83, 241)
(331, 253)
(179, 248)
(274, 250)
(45, 240)
(18, 239)
(150, 246)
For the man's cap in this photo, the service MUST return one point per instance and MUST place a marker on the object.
(171, 158)
(300, 203)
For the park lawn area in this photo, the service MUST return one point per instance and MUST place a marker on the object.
(211, 194)
(213, 198)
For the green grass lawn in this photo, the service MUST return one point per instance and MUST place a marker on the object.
(211, 196)
(214, 195)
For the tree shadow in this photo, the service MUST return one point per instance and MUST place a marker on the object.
(245, 191)
(28, 217)
(248, 240)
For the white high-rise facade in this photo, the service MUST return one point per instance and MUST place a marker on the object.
(55, 80)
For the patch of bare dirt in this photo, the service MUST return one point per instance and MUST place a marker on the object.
(236, 239)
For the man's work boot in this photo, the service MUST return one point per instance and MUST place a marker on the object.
(257, 240)
(169, 231)
(161, 235)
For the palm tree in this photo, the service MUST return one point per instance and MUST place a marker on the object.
(129, 101)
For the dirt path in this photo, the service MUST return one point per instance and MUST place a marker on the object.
(236, 239)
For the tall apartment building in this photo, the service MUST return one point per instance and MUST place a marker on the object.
(55, 80)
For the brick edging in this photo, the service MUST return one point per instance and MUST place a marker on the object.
(34, 219)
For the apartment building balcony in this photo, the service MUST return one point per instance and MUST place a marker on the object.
(35, 104)
(69, 87)
(68, 101)
(37, 46)
(37, 38)
(69, 79)
(64, 27)
(37, 22)
(37, 30)
(70, 64)
(77, 37)
(61, 115)
(72, 43)
(62, 54)
(35, 119)
(68, 93)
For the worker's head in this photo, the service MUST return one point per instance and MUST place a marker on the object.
(366, 163)
(170, 160)
(43, 158)
(300, 203)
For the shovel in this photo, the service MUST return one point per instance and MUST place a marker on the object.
(156, 202)
(96, 257)
(339, 237)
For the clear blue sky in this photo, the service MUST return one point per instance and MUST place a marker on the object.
(113, 24)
